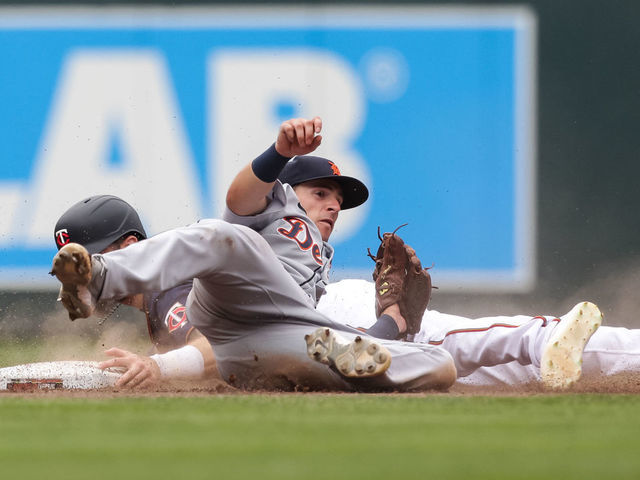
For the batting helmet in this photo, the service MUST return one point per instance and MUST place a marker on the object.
(305, 168)
(96, 222)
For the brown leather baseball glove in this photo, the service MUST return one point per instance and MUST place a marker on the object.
(400, 278)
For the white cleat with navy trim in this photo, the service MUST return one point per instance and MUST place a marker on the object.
(360, 357)
(561, 364)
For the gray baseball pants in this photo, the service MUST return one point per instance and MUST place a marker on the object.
(253, 313)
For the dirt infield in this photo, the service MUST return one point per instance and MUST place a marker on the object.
(616, 384)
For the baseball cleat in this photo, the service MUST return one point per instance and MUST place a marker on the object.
(360, 357)
(72, 267)
(561, 364)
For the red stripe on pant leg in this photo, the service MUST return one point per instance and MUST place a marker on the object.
(484, 329)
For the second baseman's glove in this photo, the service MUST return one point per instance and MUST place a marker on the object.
(400, 278)
(417, 292)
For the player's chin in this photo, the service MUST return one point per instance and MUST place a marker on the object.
(325, 230)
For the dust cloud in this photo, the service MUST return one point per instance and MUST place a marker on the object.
(614, 288)
(30, 334)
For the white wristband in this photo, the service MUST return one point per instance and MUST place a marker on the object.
(183, 362)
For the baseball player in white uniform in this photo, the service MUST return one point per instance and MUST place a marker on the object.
(500, 349)
(257, 277)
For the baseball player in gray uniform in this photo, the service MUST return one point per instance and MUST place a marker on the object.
(258, 275)
(486, 351)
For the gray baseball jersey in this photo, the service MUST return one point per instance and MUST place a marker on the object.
(293, 237)
(256, 283)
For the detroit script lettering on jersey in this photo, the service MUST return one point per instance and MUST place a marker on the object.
(299, 233)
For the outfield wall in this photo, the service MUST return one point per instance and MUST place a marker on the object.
(584, 225)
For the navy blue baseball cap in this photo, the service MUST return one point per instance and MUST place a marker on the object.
(96, 222)
(305, 168)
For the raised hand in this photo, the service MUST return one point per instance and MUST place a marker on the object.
(299, 136)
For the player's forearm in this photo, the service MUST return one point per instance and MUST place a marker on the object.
(183, 362)
(202, 344)
(194, 360)
(247, 194)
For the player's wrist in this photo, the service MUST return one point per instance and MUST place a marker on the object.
(269, 164)
(184, 362)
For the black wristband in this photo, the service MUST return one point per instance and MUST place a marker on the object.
(268, 166)
(385, 328)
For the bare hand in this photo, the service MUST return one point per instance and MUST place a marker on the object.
(139, 371)
(299, 136)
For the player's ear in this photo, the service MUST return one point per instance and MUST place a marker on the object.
(129, 240)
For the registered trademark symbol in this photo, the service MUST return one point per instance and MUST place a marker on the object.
(385, 73)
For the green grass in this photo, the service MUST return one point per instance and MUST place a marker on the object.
(320, 436)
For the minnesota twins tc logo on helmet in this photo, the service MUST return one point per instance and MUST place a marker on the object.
(62, 237)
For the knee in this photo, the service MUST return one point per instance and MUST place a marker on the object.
(447, 373)
(445, 376)
(443, 373)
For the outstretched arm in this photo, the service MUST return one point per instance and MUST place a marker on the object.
(191, 361)
(247, 194)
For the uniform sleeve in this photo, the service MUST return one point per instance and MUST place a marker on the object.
(167, 320)
(277, 200)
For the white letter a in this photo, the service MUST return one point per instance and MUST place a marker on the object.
(122, 101)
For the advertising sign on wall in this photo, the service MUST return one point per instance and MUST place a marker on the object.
(433, 108)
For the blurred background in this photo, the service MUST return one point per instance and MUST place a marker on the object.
(571, 122)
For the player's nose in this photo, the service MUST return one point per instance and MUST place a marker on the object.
(334, 204)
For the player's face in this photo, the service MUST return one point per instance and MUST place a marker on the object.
(120, 243)
(133, 300)
(322, 200)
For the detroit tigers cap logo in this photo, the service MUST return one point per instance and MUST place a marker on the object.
(176, 317)
(334, 168)
(62, 237)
